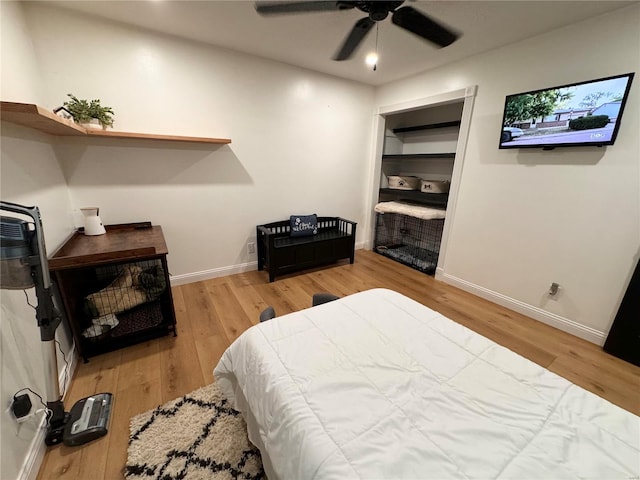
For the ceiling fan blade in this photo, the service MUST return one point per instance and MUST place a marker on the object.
(356, 35)
(277, 8)
(411, 19)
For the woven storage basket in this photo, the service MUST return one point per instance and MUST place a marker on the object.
(434, 186)
(398, 182)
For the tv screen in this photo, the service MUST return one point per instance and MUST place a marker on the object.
(578, 114)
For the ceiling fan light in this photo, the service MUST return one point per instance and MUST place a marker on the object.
(371, 59)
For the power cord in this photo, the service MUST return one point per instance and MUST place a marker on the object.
(66, 369)
(27, 297)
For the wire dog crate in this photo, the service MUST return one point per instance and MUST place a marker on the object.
(115, 287)
(123, 299)
(409, 240)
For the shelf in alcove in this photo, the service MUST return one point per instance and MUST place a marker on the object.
(430, 126)
(415, 156)
(38, 118)
(430, 199)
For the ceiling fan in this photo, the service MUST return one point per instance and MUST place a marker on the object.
(405, 17)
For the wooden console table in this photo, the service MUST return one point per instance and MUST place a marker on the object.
(84, 265)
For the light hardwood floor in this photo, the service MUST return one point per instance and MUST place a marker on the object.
(211, 314)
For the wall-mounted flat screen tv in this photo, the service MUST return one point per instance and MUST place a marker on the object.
(578, 114)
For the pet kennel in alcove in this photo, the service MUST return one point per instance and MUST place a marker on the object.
(409, 233)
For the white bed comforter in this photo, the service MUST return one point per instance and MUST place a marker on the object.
(376, 385)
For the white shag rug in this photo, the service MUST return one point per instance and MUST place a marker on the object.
(196, 437)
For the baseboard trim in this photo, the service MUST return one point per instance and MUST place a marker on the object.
(37, 449)
(222, 271)
(212, 273)
(35, 455)
(566, 325)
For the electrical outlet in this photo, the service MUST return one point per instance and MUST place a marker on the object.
(34, 414)
(251, 248)
(23, 419)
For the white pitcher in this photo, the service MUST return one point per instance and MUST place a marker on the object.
(92, 223)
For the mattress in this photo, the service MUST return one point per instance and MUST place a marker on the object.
(376, 385)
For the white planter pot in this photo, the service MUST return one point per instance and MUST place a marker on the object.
(93, 123)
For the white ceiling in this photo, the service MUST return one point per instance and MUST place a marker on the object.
(310, 40)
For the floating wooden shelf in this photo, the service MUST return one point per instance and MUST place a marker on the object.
(33, 116)
(30, 115)
(151, 136)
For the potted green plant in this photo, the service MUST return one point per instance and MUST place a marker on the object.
(89, 113)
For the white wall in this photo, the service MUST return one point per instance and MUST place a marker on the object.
(30, 175)
(300, 139)
(300, 145)
(23, 84)
(526, 218)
